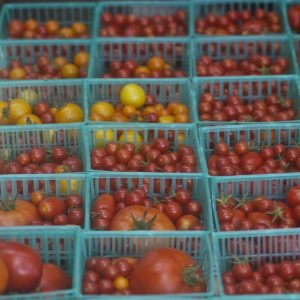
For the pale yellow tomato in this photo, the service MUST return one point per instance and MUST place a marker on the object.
(132, 94)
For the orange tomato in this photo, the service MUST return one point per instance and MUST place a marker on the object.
(121, 283)
(141, 69)
(60, 61)
(32, 24)
(52, 27)
(69, 113)
(180, 110)
(159, 107)
(163, 112)
(149, 110)
(167, 66)
(119, 107)
(29, 119)
(171, 106)
(129, 111)
(181, 138)
(66, 33)
(119, 117)
(17, 73)
(79, 28)
(69, 71)
(166, 119)
(104, 109)
(3, 277)
(96, 117)
(181, 118)
(156, 63)
(81, 59)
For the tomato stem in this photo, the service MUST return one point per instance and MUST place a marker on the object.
(142, 224)
(191, 275)
(9, 204)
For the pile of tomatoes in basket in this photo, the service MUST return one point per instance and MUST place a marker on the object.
(137, 106)
(136, 210)
(154, 67)
(160, 271)
(32, 29)
(259, 212)
(132, 25)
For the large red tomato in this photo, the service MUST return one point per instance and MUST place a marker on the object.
(166, 271)
(293, 196)
(54, 279)
(17, 213)
(24, 266)
(137, 217)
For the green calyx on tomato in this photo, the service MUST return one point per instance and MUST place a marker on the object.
(9, 203)
(192, 276)
(142, 224)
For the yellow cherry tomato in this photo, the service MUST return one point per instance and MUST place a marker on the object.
(69, 186)
(180, 109)
(81, 59)
(104, 109)
(181, 138)
(132, 94)
(29, 119)
(69, 113)
(4, 113)
(131, 137)
(104, 136)
(18, 108)
(121, 283)
(166, 119)
(69, 71)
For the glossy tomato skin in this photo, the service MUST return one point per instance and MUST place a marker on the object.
(293, 196)
(24, 266)
(54, 279)
(161, 272)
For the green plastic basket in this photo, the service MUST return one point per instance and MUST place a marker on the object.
(162, 89)
(201, 8)
(239, 48)
(59, 185)
(58, 245)
(54, 92)
(28, 51)
(249, 89)
(141, 8)
(175, 51)
(147, 134)
(16, 139)
(65, 13)
(257, 247)
(120, 244)
(270, 186)
(259, 134)
(158, 186)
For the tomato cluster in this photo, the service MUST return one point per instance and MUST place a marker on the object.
(243, 161)
(245, 22)
(32, 29)
(37, 161)
(154, 157)
(161, 271)
(137, 106)
(259, 212)
(233, 108)
(131, 25)
(254, 65)
(22, 271)
(154, 67)
(269, 278)
(45, 68)
(135, 209)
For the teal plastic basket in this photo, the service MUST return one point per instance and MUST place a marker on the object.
(147, 134)
(60, 185)
(59, 246)
(270, 186)
(175, 51)
(55, 92)
(120, 244)
(65, 13)
(257, 247)
(237, 47)
(249, 89)
(16, 139)
(201, 8)
(27, 52)
(162, 89)
(198, 186)
(141, 8)
(259, 135)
